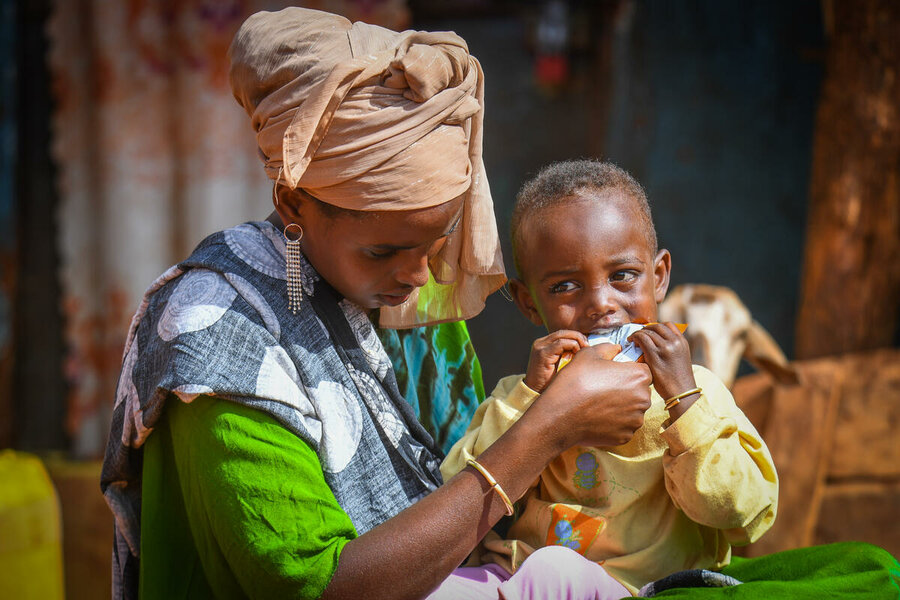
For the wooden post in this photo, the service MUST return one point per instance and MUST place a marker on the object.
(850, 289)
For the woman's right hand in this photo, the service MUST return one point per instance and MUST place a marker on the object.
(594, 401)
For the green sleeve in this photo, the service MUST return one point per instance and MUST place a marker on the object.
(235, 506)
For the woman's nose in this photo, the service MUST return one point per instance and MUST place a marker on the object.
(414, 271)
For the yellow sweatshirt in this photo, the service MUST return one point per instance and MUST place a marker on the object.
(672, 498)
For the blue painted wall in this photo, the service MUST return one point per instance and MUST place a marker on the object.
(7, 163)
(713, 112)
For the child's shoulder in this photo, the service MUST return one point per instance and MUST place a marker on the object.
(507, 384)
(707, 379)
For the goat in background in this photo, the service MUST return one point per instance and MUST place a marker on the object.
(721, 332)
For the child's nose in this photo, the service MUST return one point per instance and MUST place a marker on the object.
(600, 301)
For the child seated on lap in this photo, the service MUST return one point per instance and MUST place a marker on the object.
(695, 478)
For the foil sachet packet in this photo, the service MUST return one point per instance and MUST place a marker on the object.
(630, 352)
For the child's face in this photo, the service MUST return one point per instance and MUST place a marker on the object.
(587, 266)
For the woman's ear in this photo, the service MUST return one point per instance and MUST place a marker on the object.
(291, 204)
(522, 298)
(662, 266)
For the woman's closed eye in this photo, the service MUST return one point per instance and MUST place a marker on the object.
(379, 253)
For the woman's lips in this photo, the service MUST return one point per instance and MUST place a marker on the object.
(393, 299)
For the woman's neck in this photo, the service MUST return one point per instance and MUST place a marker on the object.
(275, 220)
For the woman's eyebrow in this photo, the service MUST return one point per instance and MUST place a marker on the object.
(409, 247)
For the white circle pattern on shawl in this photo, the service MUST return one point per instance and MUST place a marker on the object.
(368, 340)
(199, 300)
(189, 391)
(341, 419)
(261, 249)
(259, 304)
(278, 380)
(383, 411)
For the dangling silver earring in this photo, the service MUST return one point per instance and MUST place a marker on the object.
(292, 268)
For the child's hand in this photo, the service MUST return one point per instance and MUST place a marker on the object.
(545, 354)
(668, 355)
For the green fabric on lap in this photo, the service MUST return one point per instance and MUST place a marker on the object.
(842, 570)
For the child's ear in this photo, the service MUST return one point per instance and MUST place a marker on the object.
(662, 266)
(522, 298)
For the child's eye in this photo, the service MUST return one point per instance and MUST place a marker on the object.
(625, 276)
(562, 287)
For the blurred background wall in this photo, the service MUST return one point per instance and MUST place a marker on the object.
(131, 150)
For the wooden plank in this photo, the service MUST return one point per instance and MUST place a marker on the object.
(866, 439)
(798, 433)
(865, 512)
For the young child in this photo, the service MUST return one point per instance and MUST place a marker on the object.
(695, 478)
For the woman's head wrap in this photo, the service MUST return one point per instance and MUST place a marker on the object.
(365, 118)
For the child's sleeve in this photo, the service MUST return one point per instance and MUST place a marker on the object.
(718, 469)
(506, 404)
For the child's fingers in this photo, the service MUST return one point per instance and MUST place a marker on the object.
(666, 331)
(560, 346)
(571, 335)
(647, 339)
(674, 328)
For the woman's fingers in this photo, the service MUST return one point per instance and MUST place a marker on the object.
(608, 351)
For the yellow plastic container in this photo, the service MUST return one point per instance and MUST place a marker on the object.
(31, 565)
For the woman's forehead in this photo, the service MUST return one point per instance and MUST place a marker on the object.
(406, 228)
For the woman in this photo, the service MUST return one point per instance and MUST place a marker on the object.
(259, 445)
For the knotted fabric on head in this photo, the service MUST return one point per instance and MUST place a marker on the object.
(365, 118)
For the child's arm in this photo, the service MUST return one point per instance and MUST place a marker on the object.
(718, 470)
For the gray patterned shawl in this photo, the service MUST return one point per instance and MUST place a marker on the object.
(218, 324)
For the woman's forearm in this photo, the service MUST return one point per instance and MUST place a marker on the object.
(413, 552)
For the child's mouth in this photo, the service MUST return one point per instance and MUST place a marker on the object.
(604, 331)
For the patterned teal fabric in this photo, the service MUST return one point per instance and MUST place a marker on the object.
(439, 375)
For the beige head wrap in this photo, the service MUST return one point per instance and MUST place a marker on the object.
(366, 118)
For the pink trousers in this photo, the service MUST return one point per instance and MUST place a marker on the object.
(551, 573)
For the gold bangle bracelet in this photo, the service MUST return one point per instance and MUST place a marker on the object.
(493, 483)
(676, 399)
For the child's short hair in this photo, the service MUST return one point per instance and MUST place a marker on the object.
(559, 183)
